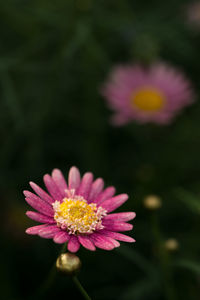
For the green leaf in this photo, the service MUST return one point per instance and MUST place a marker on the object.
(192, 266)
(138, 260)
(190, 200)
(140, 290)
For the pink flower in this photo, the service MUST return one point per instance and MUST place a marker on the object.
(193, 14)
(78, 212)
(155, 94)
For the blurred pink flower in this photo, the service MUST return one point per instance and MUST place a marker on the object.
(78, 212)
(193, 14)
(155, 94)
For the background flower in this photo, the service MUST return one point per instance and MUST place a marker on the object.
(152, 94)
(193, 14)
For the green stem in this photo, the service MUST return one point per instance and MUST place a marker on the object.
(163, 258)
(49, 279)
(81, 289)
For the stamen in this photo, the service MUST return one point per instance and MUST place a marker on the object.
(76, 216)
(147, 99)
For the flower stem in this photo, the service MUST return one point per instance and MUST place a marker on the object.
(49, 279)
(81, 289)
(164, 259)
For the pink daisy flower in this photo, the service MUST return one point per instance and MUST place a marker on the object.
(78, 212)
(155, 94)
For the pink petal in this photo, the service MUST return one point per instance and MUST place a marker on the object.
(116, 243)
(49, 231)
(60, 181)
(39, 217)
(117, 226)
(96, 189)
(52, 188)
(123, 216)
(118, 236)
(43, 195)
(74, 178)
(106, 194)
(61, 237)
(35, 229)
(73, 244)
(102, 241)
(86, 242)
(85, 185)
(38, 204)
(113, 203)
(119, 119)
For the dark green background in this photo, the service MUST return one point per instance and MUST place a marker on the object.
(54, 56)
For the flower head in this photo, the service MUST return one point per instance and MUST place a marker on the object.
(155, 94)
(78, 212)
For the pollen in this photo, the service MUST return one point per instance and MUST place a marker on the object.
(148, 100)
(76, 216)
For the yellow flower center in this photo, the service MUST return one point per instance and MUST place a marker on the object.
(148, 100)
(77, 216)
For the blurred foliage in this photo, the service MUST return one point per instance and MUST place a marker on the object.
(54, 56)
(190, 200)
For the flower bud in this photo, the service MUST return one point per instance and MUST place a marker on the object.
(171, 245)
(152, 202)
(68, 263)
